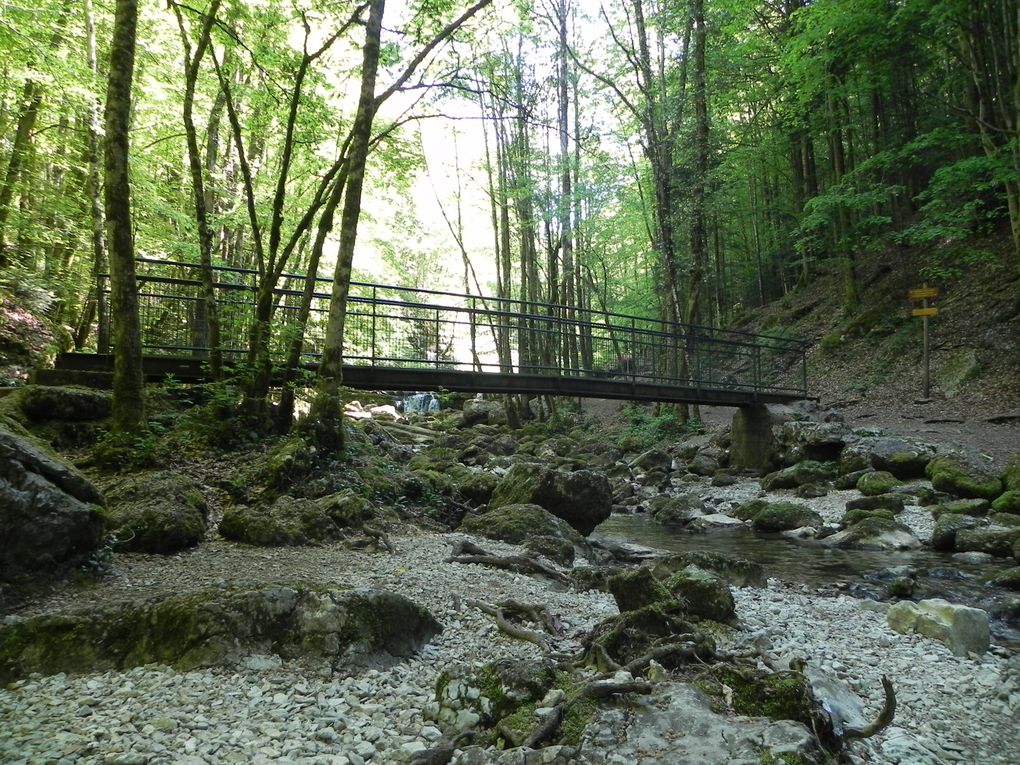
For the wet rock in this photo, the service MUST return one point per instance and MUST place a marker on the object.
(518, 523)
(1008, 579)
(676, 511)
(850, 517)
(877, 482)
(583, 498)
(975, 507)
(703, 594)
(963, 629)
(217, 628)
(904, 458)
(994, 541)
(891, 502)
(49, 513)
(963, 475)
(637, 588)
(797, 475)
(943, 536)
(783, 516)
(874, 533)
(156, 512)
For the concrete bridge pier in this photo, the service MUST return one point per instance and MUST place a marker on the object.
(752, 444)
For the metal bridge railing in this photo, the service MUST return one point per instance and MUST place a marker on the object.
(392, 326)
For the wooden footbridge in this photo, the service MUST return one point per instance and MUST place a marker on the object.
(408, 339)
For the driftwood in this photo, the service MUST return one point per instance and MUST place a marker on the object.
(504, 625)
(466, 552)
(380, 537)
(884, 719)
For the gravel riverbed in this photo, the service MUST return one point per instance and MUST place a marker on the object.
(950, 709)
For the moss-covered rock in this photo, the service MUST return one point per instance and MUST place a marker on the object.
(737, 571)
(703, 594)
(434, 458)
(784, 516)
(287, 521)
(584, 578)
(874, 533)
(156, 512)
(557, 549)
(50, 514)
(217, 627)
(1009, 502)
(891, 503)
(963, 476)
(676, 511)
(1008, 579)
(477, 486)
(777, 696)
(904, 458)
(974, 507)
(582, 498)
(994, 541)
(637, 588)
(287, 463)
(850, 517)
(347, 509)
(943, 536)
(467, 696)
(877, 482)
(1011, 478)
(518, 523)
(807, 471)
(42, 403)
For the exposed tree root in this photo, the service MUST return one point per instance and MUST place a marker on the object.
(597, 689)
(443, 751)
(466, 552)
(505, 626)
(380, 538)
(885, 717)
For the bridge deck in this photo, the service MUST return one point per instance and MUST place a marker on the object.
(97, 369)
(404, 338)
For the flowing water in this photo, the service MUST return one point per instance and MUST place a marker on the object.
(858, 572)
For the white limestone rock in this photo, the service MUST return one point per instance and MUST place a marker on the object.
(963, 629)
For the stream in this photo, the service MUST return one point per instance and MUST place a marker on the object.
(856, 572)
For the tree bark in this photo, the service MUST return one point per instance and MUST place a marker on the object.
(128, 402)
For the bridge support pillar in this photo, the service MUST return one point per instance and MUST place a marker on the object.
(753, 443)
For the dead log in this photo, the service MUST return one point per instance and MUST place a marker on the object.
(505, 626)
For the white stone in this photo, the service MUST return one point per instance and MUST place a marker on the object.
(964, 629)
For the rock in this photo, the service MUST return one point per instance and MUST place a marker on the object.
(877, 482)
(963, 629)
(797, 475)
(637, 588)
(891, 502)
(1008, 579)
(49, 512)
(724, 479)
(737, 571)
(676, 511)
(812, 491)
(556, 548)
(848, 480)
(960, 367)
(490, 692)
(1011, 478)
(43, 403)
(973, 558)
(346, 509)
(584, 578)
(517, 524)
(288, 521)
(783, 516)
(975, 507)
(850, 517)
(994, 541)
(902, 457)
(943, 536)
(653, 459)
(583, 498)
(703, 594)
(477, 486)
(1009, 520)
(814, 440)
(478, 410)
(1009, 502)
(874, 533)
(963, 475)
(218, 628)
(156, 512)
(705, 463)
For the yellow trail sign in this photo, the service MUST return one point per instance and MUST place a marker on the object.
(923, 293)
(925, 312)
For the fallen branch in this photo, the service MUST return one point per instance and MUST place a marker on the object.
(516, 563)
(534, 613)
(381, 538)
(510, 629)
(443, 751)
(885, 717)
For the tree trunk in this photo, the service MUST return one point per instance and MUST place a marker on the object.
(128, 402)
(93, 185)
(326, 415)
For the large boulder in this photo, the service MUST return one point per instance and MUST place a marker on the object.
(636, 588)
(785, 516)
(218, 628)
(963, 475)
(997, 541)
(903, 457)
(43, 402)
(583, 498)
(1009, 502)
(676, 511)
(802, 473)
(49, 512)
(287, 521)
(877, 482)
(703, 594)
(874, 533)
(891, 502)
(943, 536)
(806, 439)
(737, 571)
(480, 411)
(963, 629)
(156, 512)
(518, 524)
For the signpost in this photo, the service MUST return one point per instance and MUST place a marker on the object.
(924, 294)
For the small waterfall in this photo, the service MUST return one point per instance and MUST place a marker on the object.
(420, 403)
